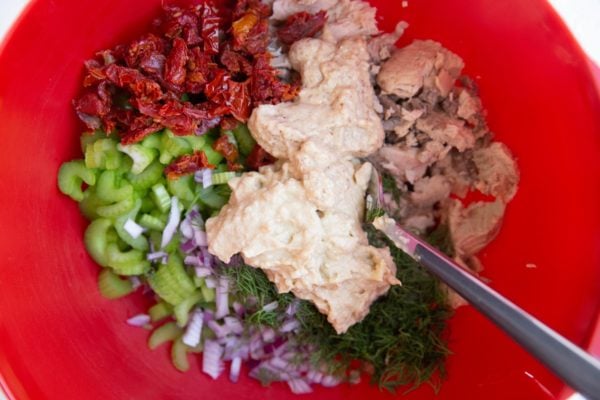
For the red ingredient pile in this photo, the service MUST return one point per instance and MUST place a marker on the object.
(198, 68)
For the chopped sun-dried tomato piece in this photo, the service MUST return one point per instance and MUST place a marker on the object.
(210, 29)
(259, 157)
(265, 86)
(187, 164)
(175, 65)
(301, 25)
(195, 70)
(235, 96)
(226, 149)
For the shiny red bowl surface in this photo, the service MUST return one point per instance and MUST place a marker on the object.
(60, 340)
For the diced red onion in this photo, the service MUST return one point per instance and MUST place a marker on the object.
(314, 376)
(292, 308)
(299, 386)
(139, 320)
(268, 335)
(133, 228)
(330, 381)
(188, 246)
(200, 238)
(222, 298)
(186, 228)
(289, 326)
(204, 176)
(234, 325)
(202, 271)
(193, 331)
(192, 260)
(272, 306)
(207, 258)
(212, 364)
(208, 316)
(219, 330)
(238, 308)
(234, 369)
(172, 223)
(279, 363)
(210, 282)
(241, 351)
(156, 255)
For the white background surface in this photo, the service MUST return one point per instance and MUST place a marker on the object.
(582, 17)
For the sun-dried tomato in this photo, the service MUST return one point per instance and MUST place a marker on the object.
(257, 6)
(301, 25)
(229, 123)
(226, 148)
(187, 164)
(265, 86)
(140, 49)
(224, 91)
(210, 29)
(175, 70)
(142, 128)
(187, 75)
(199, 68)
(250, 33)
(236, 63)
(258, 157)
(145, 89)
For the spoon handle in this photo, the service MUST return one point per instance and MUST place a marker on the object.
(570, 363)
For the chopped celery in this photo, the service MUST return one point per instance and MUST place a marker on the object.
(103, 153)
(211, 198)
(139, 243)
(220, 178)
(175, 145)
(141, 156)
(182, 310)
(244, 139)
(171, 282)
(213, 156)
(148, 177)
(196, 142)
(112, 286)
(163, 334)
(111, 187)
(159, 311)
(90, 203)
(182, 187)
(96, 240)
(179, 355)
(116, 209)
(131, 262)
(151, 222)
(161, 197)
(71, 175)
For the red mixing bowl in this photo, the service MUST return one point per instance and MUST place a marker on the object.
(59, 339)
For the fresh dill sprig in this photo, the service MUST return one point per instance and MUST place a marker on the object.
(401, 342)
(389, 186)
(252, 285)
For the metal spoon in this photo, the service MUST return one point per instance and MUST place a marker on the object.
(570, 363)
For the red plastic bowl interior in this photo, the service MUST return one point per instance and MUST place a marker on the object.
(60, 340)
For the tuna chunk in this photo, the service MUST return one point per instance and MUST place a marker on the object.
(418, 65)
(498, 172)
(442, 128)
(473, 227)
